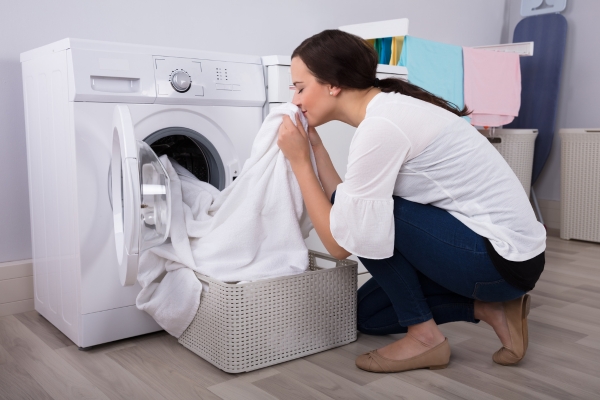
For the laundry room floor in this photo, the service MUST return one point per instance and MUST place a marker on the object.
(563, 360)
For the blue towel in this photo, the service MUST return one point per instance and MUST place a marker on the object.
(386, 50)
(378, 48)
(435, 67)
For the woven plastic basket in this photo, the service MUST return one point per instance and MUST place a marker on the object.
(244, 327)
(580, 184)
(516, 147)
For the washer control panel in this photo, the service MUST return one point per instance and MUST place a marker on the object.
(196, 81)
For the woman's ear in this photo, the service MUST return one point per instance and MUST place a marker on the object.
(334, 90)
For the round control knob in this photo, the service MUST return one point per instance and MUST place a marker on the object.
(181, 81)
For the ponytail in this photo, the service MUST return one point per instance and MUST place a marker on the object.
(395, 85)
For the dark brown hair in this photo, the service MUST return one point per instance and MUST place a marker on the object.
(349, 62)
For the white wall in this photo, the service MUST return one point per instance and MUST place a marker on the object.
(578, 105)
(242, 26)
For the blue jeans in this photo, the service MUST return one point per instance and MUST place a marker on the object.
(438, 269)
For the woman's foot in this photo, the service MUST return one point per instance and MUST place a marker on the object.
(493, 315)
(510, 326)
(424, 346)
(418, 340)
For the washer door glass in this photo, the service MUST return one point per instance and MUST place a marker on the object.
(156, 198)
(141, 196)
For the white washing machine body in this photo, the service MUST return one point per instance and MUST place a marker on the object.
(336, 135)
(94, 112)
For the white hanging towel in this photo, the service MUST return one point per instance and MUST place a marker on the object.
(254, 229)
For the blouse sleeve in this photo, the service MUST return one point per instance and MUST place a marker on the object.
(362, 217)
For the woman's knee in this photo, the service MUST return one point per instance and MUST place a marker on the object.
(371, 300)
(367, 289)
(367, 304)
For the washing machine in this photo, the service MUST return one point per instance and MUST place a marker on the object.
(98, 116)
(336, 135)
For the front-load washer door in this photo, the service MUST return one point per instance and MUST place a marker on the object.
(141, 196)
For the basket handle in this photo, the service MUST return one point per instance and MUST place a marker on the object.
(325, 256)
(204, 282)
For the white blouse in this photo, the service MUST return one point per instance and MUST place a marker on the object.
(412, 149)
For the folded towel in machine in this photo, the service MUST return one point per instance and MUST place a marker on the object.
(254, 229)
(492, 86)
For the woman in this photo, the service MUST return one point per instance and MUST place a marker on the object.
(430, 207)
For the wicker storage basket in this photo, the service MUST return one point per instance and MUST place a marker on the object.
(580, 184)
(516, 147)
(253, 325)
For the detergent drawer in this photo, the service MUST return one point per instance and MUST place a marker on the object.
(110, 77)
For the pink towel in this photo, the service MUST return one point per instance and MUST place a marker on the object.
(492, 86)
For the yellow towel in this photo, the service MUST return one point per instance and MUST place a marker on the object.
(396, 49)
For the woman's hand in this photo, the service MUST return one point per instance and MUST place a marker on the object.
(293, 141)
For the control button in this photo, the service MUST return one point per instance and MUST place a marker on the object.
(237, 88)
(223, 86)
(181, 81)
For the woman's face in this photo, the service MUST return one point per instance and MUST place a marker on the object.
(311, 97)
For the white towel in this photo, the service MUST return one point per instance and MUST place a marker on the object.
(254, 229)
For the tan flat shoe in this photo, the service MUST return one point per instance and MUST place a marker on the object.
(435, 358)
(516, 316)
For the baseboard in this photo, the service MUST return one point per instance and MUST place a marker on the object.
(550, 212)
(16, 287)
(16, 307)
(16, 269)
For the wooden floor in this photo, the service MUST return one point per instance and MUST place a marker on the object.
(563, 360)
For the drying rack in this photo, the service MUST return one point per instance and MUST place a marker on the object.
(399, 27)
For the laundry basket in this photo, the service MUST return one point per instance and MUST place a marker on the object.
(243, 327)
(580, 184)
(516, 146)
